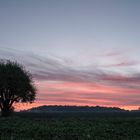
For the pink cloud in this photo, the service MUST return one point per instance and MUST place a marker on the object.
(124, 63)
(70, 93)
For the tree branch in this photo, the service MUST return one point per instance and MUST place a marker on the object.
(13, 100)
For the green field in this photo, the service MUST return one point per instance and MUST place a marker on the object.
(69, 127)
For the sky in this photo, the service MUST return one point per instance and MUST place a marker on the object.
(80, 52)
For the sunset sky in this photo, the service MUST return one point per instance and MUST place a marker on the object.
(80, 52)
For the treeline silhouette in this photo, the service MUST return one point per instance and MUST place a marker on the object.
(59, 108)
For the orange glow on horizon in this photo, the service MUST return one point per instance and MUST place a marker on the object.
(29, 106)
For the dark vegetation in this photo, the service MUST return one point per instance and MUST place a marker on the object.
(16, 85)
(59, 108)
(71, 126)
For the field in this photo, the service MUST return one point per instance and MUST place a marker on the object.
(71, 126)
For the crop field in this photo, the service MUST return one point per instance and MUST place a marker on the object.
(69, 127)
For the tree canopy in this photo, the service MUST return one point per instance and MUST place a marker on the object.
(16, 85)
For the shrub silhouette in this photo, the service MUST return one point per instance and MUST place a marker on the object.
(16, 85)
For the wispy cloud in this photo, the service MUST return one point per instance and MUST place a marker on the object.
(125, 63)
(66, 83)
(56, 69)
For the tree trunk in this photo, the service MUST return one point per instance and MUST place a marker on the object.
(5, 112)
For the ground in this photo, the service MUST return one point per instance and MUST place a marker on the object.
(69, 126)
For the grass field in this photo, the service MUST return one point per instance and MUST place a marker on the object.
(70, 126)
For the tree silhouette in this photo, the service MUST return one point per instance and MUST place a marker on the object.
(16, 85)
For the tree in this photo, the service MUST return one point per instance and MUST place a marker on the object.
(16, 85)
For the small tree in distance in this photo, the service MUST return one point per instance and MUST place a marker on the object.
(16, 85)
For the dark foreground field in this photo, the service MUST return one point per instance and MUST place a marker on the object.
(71, 126)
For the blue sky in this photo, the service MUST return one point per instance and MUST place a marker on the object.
(84, 35)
